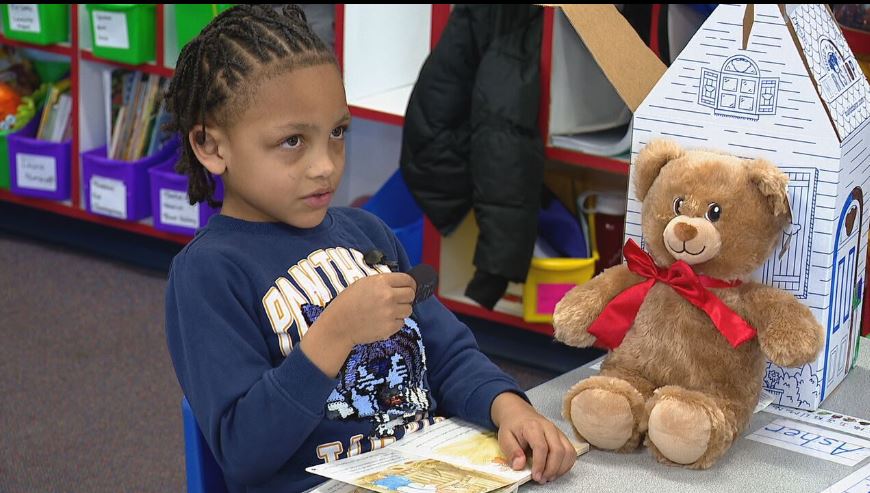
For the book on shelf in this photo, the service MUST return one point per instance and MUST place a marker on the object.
(133, 106)
(56, 121)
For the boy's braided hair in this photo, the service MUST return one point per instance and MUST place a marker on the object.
(218, 71)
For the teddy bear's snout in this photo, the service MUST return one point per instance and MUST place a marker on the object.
(692, 239)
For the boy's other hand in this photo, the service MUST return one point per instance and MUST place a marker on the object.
(521, 428)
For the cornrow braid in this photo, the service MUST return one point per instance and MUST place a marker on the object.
(216, 72)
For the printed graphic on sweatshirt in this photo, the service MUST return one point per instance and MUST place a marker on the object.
(383, 383)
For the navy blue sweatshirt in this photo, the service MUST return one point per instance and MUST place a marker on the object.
(241, 295)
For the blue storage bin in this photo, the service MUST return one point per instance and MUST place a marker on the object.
(395, 205)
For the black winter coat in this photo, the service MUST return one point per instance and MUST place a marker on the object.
(471, 138)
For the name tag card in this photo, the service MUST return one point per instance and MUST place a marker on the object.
(813, 441)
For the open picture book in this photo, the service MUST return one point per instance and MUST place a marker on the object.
(451, 456)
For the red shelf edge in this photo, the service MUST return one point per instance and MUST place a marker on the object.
(587, 160)
(858, 41)
(75, 172)
(149, 68)
(76, 213)
(338, 41)
(56, 49)
(440, 15)
(380, 116)
(503, 318)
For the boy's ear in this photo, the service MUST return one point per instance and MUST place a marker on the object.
(206, 144)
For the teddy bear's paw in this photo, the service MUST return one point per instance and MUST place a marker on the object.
(605, 411)
(789, 347)
(687, 428)
(573, 315)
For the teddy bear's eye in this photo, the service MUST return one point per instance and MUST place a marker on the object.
(678, 203)
(714, 212)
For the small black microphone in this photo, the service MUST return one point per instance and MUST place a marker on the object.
(374, 257)
(426, 278)
(424, 275)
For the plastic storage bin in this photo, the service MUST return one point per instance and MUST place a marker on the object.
(120, 189)
(169, 201)
(123, 32)
(39, 168)
(395, 205)
(41, 24)
(28, 130)
(190, 19)
(550, 278)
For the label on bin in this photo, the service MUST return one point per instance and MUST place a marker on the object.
(110, 29)
(550, 294)
(109, 197)
(24, 17)
(175, 209)
(36, 172)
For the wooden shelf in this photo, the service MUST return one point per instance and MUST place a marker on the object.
(148, 68)
(66, 209)
(64, 50)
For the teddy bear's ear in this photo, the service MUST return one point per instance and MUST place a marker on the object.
(650, 162)
(773, 185)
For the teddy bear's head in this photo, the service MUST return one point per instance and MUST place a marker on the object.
(719, 213)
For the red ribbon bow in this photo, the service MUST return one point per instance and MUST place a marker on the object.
(617, 318)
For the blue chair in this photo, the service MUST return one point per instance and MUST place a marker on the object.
(395, 205)
(204, 475)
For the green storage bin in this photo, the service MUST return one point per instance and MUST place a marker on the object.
(4, 159)
(123, 32)
(28, 130)
(190, 19)
(41, 24)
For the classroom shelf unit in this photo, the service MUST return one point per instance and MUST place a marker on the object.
(380, 67)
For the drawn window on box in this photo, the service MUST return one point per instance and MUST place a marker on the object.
(841, 72)
(738, 90)
(843, 318)
(789, 266)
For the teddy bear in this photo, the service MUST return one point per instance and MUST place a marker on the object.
(686, 329)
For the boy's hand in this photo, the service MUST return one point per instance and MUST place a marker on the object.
(521, 428)
(372, 308)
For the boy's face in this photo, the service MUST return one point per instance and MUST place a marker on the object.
(284, 155)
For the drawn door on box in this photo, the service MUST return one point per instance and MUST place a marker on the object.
(789, 266)
(843, 316)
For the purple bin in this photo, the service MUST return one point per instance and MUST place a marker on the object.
(38, 168)
(169, 201)
(120, 188)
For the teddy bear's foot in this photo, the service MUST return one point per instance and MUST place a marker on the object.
(605, 412)
(687, 428)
